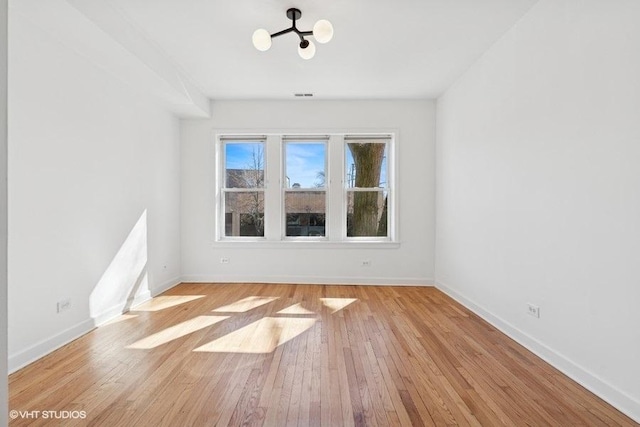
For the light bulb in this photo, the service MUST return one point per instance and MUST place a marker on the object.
(308, 52)
(323, 31)
(261, 39)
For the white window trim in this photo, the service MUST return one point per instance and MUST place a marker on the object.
(336, 190)
(392, 222)
(221, 188)
(283, 187)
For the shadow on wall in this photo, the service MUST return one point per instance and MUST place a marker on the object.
(125, 281)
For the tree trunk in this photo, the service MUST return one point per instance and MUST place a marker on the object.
(368, 164)
(382, 223)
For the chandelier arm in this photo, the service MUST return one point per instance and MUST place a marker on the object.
(300, 34)
(279, 33)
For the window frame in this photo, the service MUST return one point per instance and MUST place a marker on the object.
(336, 192)
(222, 189)
(309, 139)
(387, 141)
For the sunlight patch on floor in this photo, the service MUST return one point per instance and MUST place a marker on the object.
(176, 331)
(337, 304)
(262, 336)
(245, 304)
(295, 309)
(120, 318)
(162, 302)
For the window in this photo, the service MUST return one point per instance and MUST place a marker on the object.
(367, 187)
(305, 199)
(331, 188)
(243, 188)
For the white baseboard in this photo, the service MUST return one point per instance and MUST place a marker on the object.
(163, 287)
(120, 308)
(311, 280)
(44, 347)
(23, 358)
(617, 398)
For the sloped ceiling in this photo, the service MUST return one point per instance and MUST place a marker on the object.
(189, 50)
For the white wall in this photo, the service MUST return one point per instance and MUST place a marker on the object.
(538, 190)
(410, 263)
(93, 194)
(3, 214)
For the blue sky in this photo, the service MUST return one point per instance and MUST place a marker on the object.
(239, 155)
(303, 160)
(303, 163)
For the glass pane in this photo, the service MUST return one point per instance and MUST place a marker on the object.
(366, 164)
(367, 214)
(305, 211)
(244, 214)
(244, 164)
(305, 165)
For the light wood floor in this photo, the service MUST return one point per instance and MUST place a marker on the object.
(276, 355)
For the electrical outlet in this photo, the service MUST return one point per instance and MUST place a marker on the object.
(533, 310)
(64, 305)
(366, 263)
(224, 260)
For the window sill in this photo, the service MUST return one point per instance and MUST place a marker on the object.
(297, 244)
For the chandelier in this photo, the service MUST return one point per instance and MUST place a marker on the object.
(322, 33)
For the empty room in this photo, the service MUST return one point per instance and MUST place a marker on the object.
(409, 213)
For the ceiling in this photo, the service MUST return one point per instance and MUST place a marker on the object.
(381, 49)
(186, 52)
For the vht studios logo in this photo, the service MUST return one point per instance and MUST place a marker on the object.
(48, 415)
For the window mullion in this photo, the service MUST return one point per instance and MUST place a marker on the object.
(273, 195)
(336, 226)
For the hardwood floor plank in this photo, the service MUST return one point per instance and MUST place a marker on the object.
(295, 402)
(354, 388)
(302, 355)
